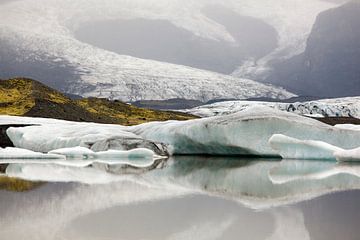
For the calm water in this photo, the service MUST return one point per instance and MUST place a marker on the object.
(188, 198)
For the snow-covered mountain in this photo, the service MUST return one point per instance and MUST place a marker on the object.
(338, 107)
(41, 33)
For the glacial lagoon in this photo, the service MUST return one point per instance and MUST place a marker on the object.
(186, 197)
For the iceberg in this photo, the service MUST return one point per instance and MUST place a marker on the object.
(244, 133)
(352, 155)
(74, 153)
(139, 153)
(85, 153)
(348, 127)
(19, 153)
(294, 148)
(114, 161)
(48, 137)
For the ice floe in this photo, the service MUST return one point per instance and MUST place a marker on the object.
(348, 127)
(294, 148)
(348, 155)
(74, 152)
(244, 133)
(19, 153)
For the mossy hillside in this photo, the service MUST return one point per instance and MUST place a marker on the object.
(126, 114)
(27, 97)
(16, 97)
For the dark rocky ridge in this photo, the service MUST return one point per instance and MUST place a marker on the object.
(330, 65)
(4, 139)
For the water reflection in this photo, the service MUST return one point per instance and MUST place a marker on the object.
(190, 198)
(258, 183)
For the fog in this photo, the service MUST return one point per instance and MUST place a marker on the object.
(163, 41)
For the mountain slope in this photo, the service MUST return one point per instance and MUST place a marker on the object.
(26, 97)
(330, 65)
(35, 30)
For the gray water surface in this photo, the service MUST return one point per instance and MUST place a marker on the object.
(191, 197)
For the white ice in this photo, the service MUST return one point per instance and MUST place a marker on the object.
(38, 28)
(352, 155)
(348, 126)
(338, 107)
(243, 133)
(20, 153)
(74, 152)
(48, 137)
(294, 148)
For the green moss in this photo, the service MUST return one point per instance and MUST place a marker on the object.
(126, 114)
(15, 97)
(26, 97)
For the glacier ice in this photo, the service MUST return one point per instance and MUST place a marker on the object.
(20, 153)
(74, 152)
(348, 126)
(337, 107)
(126, 143)
(114, 75)
(352, 155)
(294, 148)
(48, 137)
(86, 153)
(138, 153)
(243, 133)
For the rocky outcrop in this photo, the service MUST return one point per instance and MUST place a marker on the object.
(330, 65)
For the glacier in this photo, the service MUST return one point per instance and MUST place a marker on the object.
(337, 107)
(38, 28)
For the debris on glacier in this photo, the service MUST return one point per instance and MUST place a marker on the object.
(128, 143)
(338, 107)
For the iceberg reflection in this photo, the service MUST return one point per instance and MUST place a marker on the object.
(258, 183)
